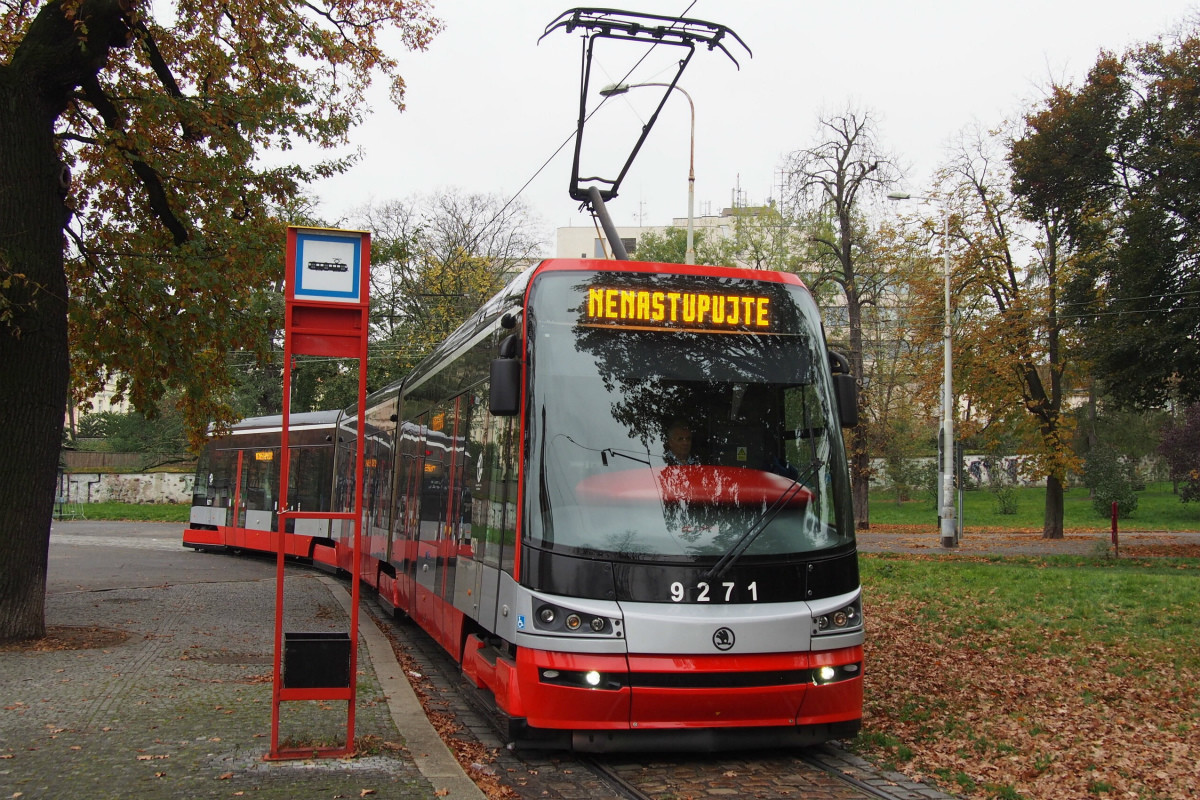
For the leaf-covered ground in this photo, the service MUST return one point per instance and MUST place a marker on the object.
(992, 700)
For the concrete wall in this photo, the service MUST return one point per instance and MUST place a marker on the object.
(131, 487)
(975, 465)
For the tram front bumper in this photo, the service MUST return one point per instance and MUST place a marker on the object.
(649, 692)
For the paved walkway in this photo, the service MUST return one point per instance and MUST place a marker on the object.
(1130, 543)
(181, 708)
(178, 704)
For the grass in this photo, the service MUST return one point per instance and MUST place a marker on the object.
(1158, 510)
(1145, 606)
(136, 512)
(1026, 677)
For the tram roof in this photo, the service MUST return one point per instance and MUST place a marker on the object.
(302, 419)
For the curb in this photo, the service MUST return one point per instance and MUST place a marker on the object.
(430, 754)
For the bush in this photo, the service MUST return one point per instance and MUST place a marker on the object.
(1111, 479)
(1006, 499)
(909, 476)
(1002, 483)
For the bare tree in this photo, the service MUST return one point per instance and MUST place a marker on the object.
(831, 181)
(438, 258)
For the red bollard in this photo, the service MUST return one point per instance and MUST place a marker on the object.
(1116, 544)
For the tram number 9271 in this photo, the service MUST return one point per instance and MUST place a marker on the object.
(708, 593)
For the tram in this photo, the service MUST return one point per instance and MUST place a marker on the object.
(521, 506)
(235, 499)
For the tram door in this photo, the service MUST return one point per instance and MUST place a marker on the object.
(260, 488)
(432, 518)
(452, 533)
(410, 468)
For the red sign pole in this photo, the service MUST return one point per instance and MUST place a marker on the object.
(326, 313)
(1116, 543)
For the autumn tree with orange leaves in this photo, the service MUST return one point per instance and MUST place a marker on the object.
(1015, 357)
(134, 200)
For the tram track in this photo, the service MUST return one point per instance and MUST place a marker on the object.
(817, 773)
(814, 774)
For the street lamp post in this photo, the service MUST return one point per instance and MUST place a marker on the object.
(949, 526)
(622, 88)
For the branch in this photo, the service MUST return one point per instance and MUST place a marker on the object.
(166, 78)
(156, 193)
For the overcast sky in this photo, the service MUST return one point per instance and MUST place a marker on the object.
(487, 104)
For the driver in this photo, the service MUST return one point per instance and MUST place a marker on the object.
(679, 444)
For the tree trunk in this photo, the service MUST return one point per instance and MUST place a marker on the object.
(57, 54)
(1053, 526)
(33, 350)
(860, 455)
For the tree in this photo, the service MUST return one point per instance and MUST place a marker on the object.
(134, 432)
(1111, 478)
(1181, 448)
(670, 247)
(1116, 159)
(134, 133)
(1014, 355)
(438, 259)
(831, 180)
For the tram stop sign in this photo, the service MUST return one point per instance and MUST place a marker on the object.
(326, 290)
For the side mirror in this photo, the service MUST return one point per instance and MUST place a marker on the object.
(845, 390)
(505, 397)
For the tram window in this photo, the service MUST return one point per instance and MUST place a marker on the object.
(494, 519)
(310, 477)
(409, 471)
(214, 478)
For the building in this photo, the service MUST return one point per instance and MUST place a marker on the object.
(588, 242)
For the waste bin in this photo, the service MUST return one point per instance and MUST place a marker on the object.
(316, 660)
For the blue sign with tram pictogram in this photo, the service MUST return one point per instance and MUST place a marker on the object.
(328, 266)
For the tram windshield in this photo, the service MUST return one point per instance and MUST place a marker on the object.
(681, 419)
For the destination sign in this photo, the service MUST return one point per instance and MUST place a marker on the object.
(710, 311)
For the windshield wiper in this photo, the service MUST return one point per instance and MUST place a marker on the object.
(605, 453)
(726, 562)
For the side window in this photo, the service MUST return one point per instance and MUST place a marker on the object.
(346, 451)
(494, 512)
(409, 473)
(435, 477)
(377, 466)
(505, 429)
(215, 479)
(461, 471)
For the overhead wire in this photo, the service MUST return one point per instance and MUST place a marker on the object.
(573, 133)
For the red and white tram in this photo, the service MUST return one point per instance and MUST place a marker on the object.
(522, 508)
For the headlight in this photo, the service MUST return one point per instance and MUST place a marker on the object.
(846, 618)
(552, 618)
(825, 675)
(583, 679)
